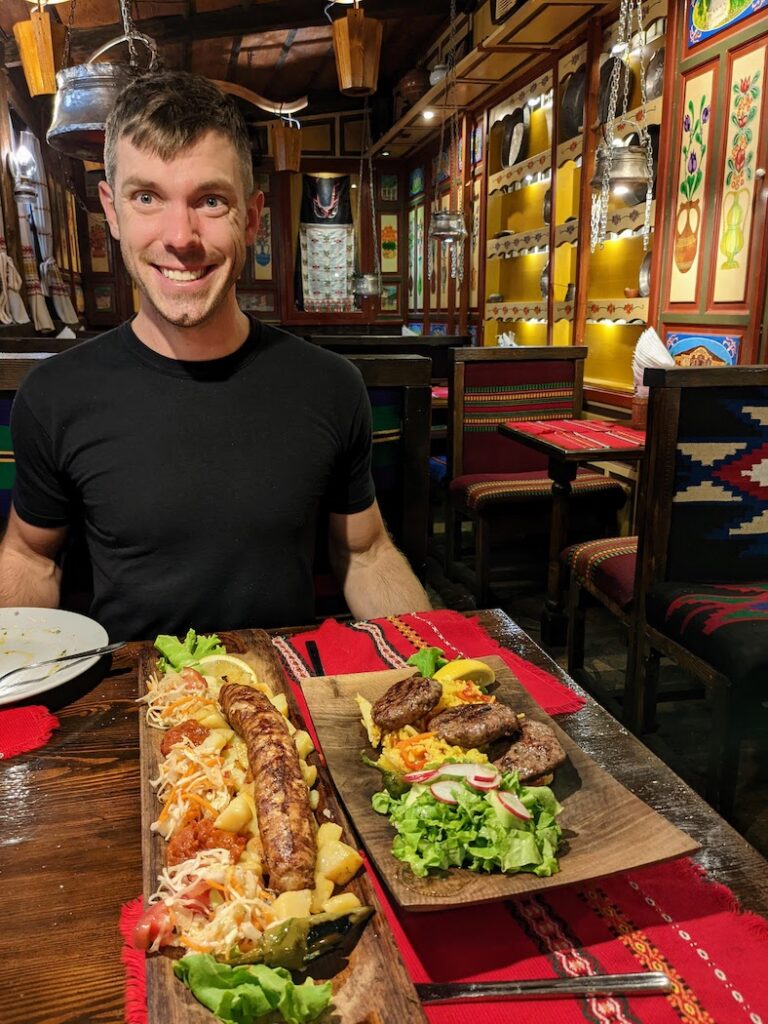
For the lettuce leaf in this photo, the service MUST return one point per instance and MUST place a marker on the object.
(242, 994)
(428, 660)
(177, 655)
(434, 836)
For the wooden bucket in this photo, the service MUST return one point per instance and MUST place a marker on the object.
(41, 45)
(286, 145)
(357, 47)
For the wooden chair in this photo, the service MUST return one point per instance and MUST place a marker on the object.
(399, 390)
(703, 553)
(494, 481)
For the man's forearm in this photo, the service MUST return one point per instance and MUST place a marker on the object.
(381, 582)
(28, 581)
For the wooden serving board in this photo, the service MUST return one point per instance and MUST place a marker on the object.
(372, 986)
(605, 827)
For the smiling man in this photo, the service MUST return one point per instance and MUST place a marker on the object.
(195, 448)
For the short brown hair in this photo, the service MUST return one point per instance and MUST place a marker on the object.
(168, 111)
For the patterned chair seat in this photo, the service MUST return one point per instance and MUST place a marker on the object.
(724, 624)
(474, 491)
(606, 565)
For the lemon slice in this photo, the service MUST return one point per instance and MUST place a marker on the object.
(466, 668)
(226, 668)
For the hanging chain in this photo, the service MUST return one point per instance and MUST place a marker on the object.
(372, 194)
(130, 30)
(68, 34)
(645, 135)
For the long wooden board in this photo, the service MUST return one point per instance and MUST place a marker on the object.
(606, 828)
(373, 986)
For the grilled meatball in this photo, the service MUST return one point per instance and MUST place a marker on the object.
(535, 755)
(405, 702)
(286, 822)
(475, 725)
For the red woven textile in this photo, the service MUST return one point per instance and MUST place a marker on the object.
(574, 435)
(25, 728)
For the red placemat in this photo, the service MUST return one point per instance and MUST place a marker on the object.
(25, 728)
(574, 435)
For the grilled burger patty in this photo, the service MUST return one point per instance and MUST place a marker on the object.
(286, 822)
(475, 725)
(535, 754)
(405, 702)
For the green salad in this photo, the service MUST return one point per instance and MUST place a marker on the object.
(472, 816)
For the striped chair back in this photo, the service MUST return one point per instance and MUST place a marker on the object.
(7, 461)
(495, 385)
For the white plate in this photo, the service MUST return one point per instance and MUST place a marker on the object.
(36, 634)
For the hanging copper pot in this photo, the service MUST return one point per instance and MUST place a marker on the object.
(357, 48)
(285, 137)
(628, 168)
(41, 45)
(84, 98)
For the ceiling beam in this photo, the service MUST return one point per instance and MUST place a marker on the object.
(236, 21)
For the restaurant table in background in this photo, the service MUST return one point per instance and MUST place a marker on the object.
(70, 853)
(569, 444)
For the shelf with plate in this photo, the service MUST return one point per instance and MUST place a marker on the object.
(533, 167)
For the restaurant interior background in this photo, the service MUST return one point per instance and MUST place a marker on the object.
(493, 111)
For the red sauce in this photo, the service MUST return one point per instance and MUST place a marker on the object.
(201, 835)
(194, 730)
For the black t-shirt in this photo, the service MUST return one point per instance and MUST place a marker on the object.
(199, 484)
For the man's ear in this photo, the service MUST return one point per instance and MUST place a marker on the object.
(253, 215)
(107, 199)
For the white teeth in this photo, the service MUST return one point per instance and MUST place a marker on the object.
(181, 275)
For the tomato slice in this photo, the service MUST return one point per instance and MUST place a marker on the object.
(193, 679)
(154, 928)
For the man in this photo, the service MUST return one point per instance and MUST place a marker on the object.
(196, 447)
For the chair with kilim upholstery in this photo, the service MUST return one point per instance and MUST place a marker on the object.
(499, 484)
(703, 553)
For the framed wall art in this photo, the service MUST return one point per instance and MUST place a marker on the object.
(706, 19)
(390, 297)
(262, 248)
(416, 182)
(388, 188)
(103, 298)
(98, 243)
(690, 347)
(420, 257)
(388, 235)
(256, 302)
(412, 259)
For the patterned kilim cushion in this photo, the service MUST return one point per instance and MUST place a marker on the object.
(495, 393)
(720, 505)
(608, 564)
(725, 625)
(476, 491)
(7, 462)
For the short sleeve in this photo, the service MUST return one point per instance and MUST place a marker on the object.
(40, 493)
(352, 488)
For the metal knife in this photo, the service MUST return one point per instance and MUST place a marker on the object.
(645, 983)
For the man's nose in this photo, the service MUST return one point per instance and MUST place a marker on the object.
(180, 227)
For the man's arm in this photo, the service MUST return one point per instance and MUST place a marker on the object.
(376, 578)
(29, 575)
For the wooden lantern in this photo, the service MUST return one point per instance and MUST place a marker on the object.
(41, 44)
(286, 145)
(357, 47)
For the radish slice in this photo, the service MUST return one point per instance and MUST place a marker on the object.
(445, 791)
(512, 803)
(425, 776)
(462, 771)
(485, 782)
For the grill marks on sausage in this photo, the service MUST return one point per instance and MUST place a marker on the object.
(286, 822)
(475, 725)
(406, 702)
(535, 754)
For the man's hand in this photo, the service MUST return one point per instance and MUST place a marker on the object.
(376, 578)
(29, 575)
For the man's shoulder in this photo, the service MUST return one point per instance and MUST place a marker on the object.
(312, 359)
(104, 350)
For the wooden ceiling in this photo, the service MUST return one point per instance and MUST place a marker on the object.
(279, 48)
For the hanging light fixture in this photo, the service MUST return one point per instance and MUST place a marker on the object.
(23, 171)
(367, 285)
(622, 169)
(357, 49)
(447, 226)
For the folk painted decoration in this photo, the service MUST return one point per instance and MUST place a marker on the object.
(98, 245)
(707, 18)
(262, 248)
(703, 349)
(416, 182)
(390, 298)
(389, 243)
(388, 188)
(691, 191)
(736, 206)
(474, 247)
(412, 259)
(445, 259)
(420, 257)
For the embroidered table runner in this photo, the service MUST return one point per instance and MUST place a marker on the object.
(575, 435)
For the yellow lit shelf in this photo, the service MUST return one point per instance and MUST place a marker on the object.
(617, 311)
(518, 244)
(571, 149)
(507, 177)
(522, 309)
(567, 234)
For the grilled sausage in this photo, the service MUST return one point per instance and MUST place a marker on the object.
(535, 755)
(286, 823)
(405, 702)
(475, 725)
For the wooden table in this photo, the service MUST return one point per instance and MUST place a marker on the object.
(70, 850)
(563, 462)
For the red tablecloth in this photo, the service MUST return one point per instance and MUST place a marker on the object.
(577, 435)
(668, 917)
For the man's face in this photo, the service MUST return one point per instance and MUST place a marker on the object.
(183, 225)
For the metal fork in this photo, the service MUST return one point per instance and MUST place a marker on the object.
(80, 656)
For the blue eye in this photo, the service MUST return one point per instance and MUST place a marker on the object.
(145, 198)
(213, 202)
